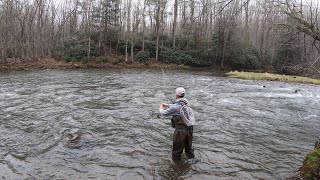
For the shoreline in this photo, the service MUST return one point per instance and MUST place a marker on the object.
(54, 64)
(51, 63)
(273, 77)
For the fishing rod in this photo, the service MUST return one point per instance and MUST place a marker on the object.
(163, 89)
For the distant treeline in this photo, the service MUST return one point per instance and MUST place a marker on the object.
(281, 35)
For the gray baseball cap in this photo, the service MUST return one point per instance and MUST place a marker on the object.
(180, 91)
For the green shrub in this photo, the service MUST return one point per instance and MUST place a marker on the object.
(186, 59)
(102, 59)
(118, 60)
(143, 56)
(76, 50)
(246, 57)
(251, 58)
(175, 57)
(73, 50)
(200, 57)
(169, 56)
(150, 47)
(122, 47)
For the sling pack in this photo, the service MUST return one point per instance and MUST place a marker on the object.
(187, 115)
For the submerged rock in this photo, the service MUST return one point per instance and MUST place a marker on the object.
(72, 139)
(311, 165)
(76, 138)
(297, 90)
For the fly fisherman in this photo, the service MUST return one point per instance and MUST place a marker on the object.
(182, 120)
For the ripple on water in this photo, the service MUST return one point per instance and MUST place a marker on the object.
(243, 130)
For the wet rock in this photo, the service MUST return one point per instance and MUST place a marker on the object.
(297, 90)
(72, 138)
(317, 144)
(75, 138)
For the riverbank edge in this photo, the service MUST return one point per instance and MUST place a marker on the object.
(272, 77)
(311, 164)
(50, 63)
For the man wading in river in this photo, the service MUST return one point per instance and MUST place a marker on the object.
(182, 120)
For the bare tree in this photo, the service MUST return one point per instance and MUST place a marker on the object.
(175, 14)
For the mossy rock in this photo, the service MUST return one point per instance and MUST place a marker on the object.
(311, 165)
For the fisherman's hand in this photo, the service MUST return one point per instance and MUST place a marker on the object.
(163, 105)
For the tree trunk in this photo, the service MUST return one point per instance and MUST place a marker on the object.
(175, 14)
(158, 28)
(89, 47)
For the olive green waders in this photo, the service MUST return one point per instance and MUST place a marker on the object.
(182, 139)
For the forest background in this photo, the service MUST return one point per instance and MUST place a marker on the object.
(271, 35)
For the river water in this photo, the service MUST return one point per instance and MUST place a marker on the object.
(244, 130)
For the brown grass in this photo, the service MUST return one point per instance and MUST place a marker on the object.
(272, 77)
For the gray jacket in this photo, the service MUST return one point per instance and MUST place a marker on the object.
(174, 109)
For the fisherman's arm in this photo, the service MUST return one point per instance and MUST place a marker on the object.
(167, 109)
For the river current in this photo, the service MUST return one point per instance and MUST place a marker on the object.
(244, 129)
